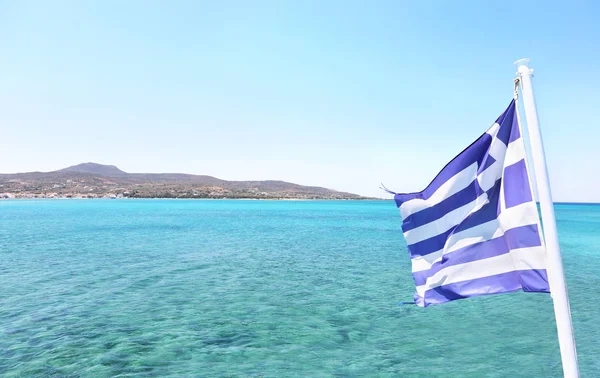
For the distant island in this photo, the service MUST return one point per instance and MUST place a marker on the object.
(91, 180)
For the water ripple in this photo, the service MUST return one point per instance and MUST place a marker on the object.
(261, 289)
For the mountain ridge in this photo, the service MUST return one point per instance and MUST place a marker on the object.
(94, 168)
(93, 180)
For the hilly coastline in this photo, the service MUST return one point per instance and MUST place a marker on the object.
(92, 180)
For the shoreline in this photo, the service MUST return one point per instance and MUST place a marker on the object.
(190, 199)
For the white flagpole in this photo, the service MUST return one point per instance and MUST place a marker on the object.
(556, 275)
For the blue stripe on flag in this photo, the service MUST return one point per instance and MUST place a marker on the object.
(465, 196)
(516, 184)
(533, 280)
(474, 153)
(506, 124)
(486, 213)
(520, 237)
(486, 163)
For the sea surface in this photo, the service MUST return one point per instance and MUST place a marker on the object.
(177, 288)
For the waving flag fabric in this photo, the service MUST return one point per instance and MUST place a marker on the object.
(475, 229)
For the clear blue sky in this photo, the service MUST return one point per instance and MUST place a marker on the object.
(340, 94)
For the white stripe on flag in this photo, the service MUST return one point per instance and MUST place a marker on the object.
(493, 130)
(443, 224)
(517, 259)
(511, 218)
(455, 184)
(514, 153)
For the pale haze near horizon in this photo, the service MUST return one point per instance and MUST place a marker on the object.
(343, 95)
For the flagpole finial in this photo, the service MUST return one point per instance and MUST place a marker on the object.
(523, 65)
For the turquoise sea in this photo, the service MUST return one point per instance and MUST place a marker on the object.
(157, 288)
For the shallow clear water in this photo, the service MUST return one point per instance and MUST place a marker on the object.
(262, 289)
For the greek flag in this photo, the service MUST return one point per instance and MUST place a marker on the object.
(475, 229)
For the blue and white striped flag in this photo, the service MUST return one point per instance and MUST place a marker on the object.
(475, 229)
